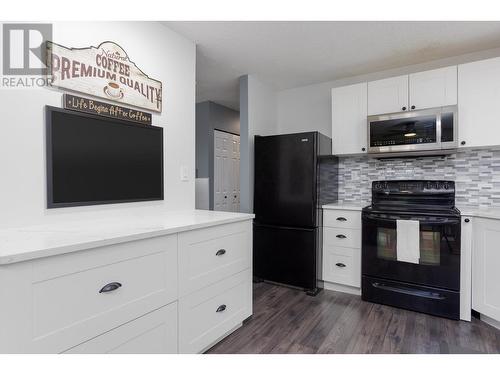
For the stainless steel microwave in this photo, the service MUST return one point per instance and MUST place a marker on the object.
(423, 132)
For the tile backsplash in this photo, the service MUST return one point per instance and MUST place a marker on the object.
(476, 173)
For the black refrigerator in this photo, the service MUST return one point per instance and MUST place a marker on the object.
(287, 225)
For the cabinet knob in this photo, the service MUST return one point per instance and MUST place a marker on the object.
(341, 236)
(462, 143)
(466, 220)
(341, 218)
(412, 107)
(225, 196)
(363, 149)
(110, 287)
(221, 308)
(341, 265)
(404, 108)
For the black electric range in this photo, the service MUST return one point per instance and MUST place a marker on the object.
(430, 282)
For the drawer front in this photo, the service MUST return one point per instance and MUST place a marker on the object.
(70, 306)
(213, 254)
(342, 266)
(153, 333)
(342, 219)
(208, 314)
(342, 237)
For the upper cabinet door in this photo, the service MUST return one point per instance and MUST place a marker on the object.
(478, 99)
(433, 88)
(349, 112)
(388, 95)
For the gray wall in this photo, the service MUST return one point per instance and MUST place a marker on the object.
(244, 148)
(258, 117)
(211, 116)
(202, 131)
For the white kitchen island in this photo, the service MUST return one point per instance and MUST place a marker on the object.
(149, 281)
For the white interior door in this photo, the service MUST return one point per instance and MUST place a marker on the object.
(226, 171)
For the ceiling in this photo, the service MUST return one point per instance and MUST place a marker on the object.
(291, 54)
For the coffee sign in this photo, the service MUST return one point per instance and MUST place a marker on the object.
(95, 107)
(105, 72)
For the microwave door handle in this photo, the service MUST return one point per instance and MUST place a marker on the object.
(438, 130)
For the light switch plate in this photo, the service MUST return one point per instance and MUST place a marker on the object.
(184, 173)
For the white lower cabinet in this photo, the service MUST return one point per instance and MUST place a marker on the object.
(153, 333)
(212, 254)
(342, 250)
(342, 265)
(486, 267)
(124, 298)
(209, 313)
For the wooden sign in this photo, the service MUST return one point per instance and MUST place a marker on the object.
(105, 72)
(77, 103)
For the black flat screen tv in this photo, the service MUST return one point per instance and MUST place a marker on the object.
(95, 160)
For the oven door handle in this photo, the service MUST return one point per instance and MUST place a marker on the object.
(443, 220)
(409, 291)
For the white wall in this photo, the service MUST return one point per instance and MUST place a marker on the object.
(160, 53)
(308, 108)
(257, 117)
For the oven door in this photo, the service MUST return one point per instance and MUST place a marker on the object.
(439, 263)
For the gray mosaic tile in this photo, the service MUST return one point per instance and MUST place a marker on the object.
(476, 174)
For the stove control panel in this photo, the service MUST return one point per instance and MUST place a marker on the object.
(425, 187)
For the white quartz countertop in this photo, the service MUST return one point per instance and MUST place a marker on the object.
(69, 235)
(475, 211)
(341, 205)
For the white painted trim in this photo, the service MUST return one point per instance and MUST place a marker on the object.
(339, 288)
(492, 322)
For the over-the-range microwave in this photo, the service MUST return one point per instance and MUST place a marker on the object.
(423, 132)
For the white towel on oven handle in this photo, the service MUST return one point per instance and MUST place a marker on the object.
(408, 241)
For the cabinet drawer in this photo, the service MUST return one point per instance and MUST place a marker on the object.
(342, 265)
(342, 237)
(69, 305)
(342, 219)
(153, 333)
(208, 314)
(212, 254)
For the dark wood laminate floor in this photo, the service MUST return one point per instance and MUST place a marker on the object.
(288, 321)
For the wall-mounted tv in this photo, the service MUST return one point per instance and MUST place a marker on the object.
(96, 160)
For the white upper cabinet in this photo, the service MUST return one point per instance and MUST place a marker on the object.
(349, 112)
(388, 95)
(478, 100)
(433, 88)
